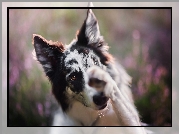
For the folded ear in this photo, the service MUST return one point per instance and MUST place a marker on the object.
(89, 32)
(47, 53)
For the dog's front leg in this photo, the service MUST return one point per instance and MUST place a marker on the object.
(123, 107)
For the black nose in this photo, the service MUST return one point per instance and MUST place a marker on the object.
(100, 99)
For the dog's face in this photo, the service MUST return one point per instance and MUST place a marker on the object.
(67, 66)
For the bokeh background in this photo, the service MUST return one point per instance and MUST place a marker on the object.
(140, 39)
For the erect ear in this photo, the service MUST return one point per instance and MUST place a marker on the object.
(89, 35)
(47, 53)
(89, 32)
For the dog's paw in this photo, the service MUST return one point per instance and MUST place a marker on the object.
(100, 80)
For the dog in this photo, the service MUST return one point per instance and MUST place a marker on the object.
(91, 88)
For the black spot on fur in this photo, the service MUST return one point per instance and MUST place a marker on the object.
(72, 61)
(58, 89)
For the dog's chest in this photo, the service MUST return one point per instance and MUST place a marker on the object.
(107, 117)
(89, 117)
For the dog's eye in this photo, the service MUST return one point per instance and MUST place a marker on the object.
(73, 77)
(86, 51)
(100, 44)
(95, 62)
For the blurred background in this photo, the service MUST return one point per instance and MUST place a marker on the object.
(140, 39)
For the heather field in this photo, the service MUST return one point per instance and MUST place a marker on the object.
(140, 39)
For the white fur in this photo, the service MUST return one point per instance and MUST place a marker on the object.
(119, 112)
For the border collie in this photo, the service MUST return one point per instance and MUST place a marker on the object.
(91, 88)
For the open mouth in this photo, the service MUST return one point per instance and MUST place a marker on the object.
(100, 100)
(102, 107)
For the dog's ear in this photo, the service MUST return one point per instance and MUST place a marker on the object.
(89, 35)
(47, 53)
(89, 32)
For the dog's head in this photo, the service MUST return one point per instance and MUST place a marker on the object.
(66, 66)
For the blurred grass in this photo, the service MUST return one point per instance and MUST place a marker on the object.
(140, 39)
